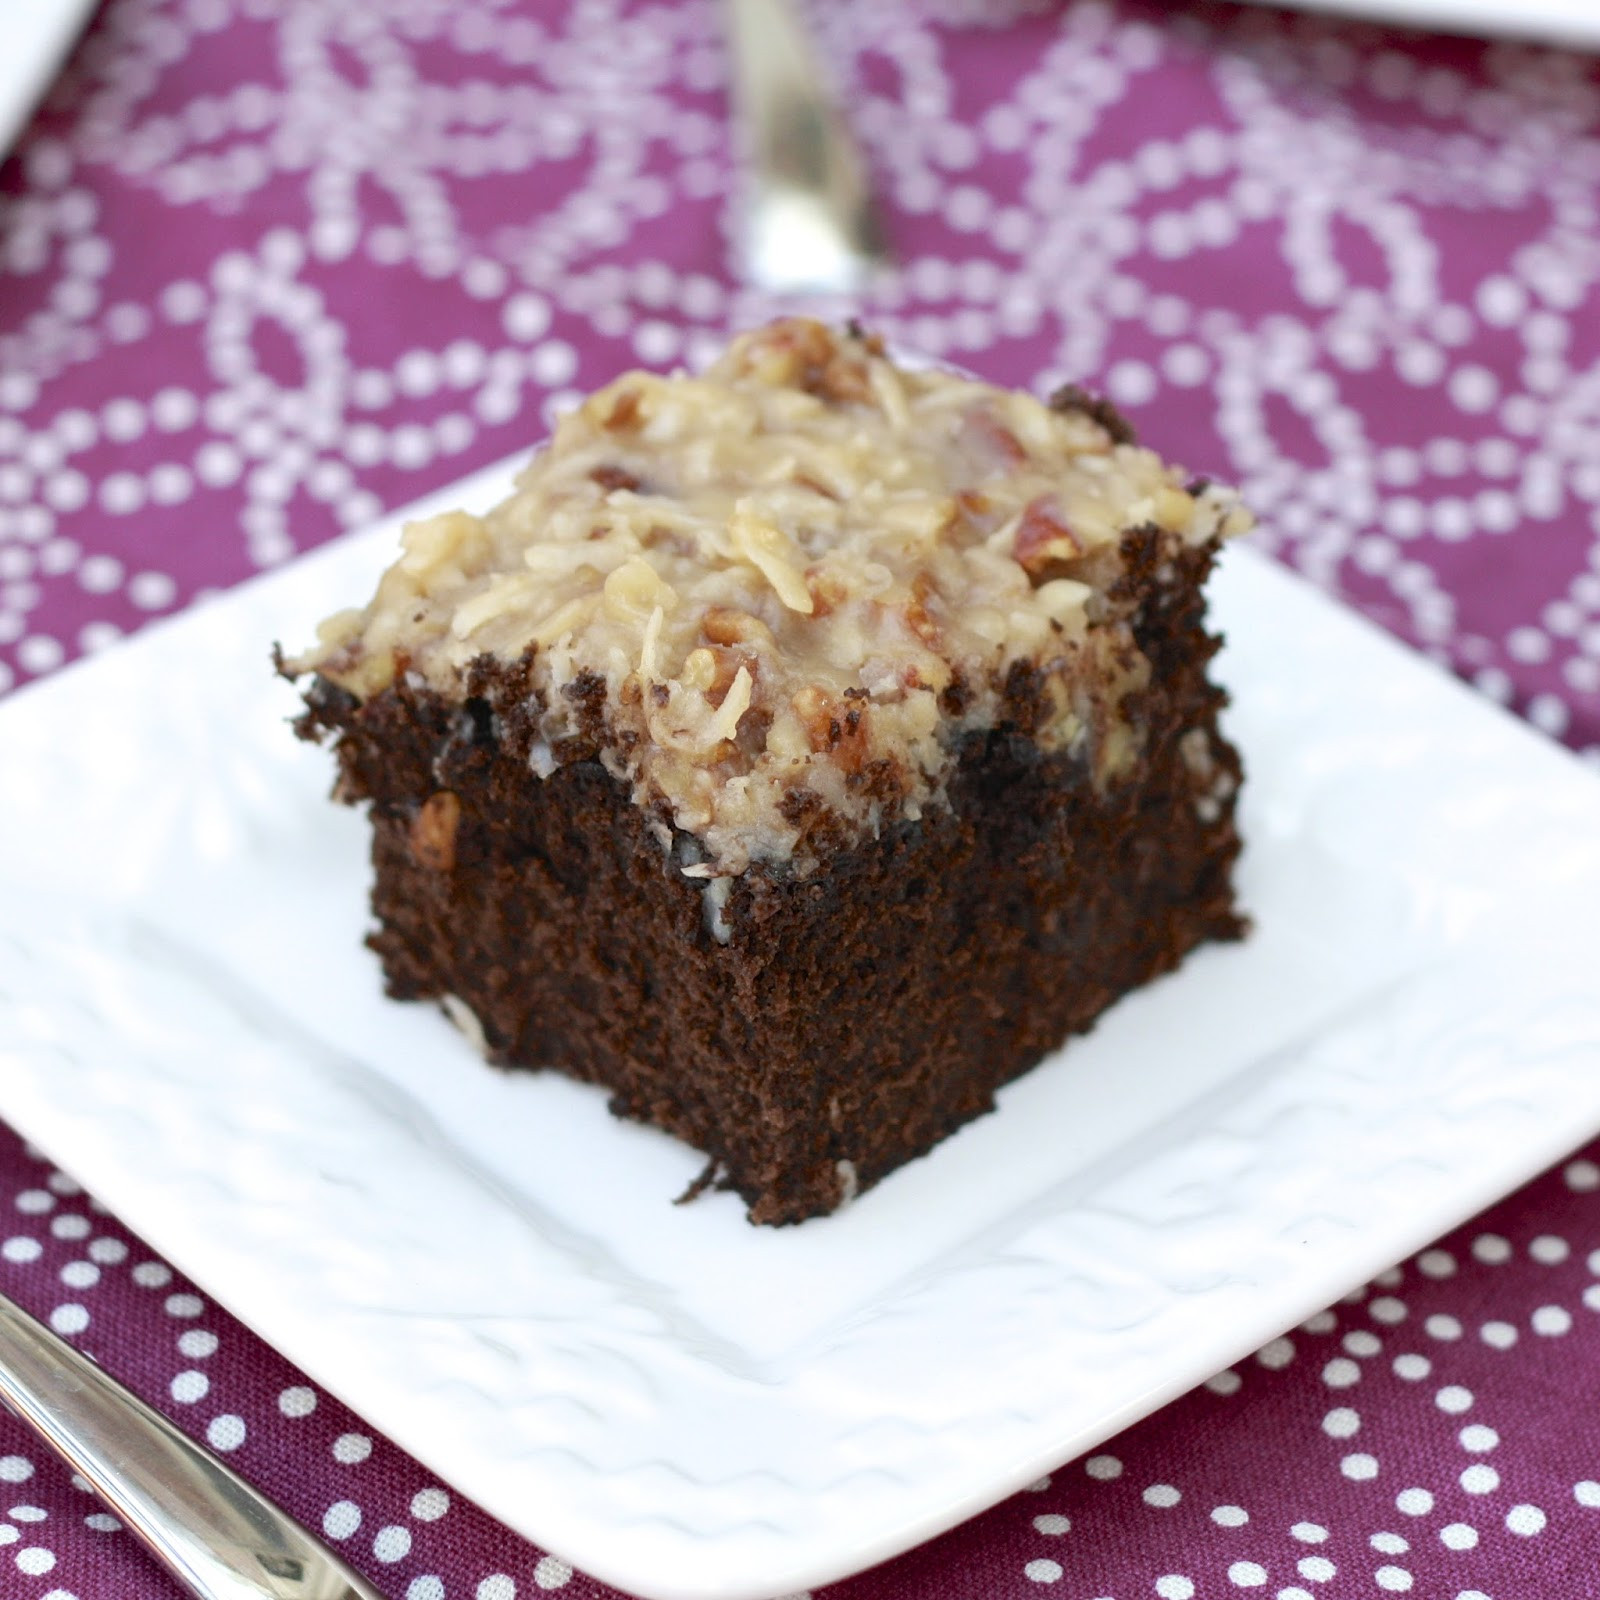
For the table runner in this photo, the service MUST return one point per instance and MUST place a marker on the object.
(269, 266)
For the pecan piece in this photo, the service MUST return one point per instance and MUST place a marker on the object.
(624, 416)
(725, 625)
(1043, 538)
(834, 726)
(918, 618)
(433, 831)
(992, 446)
(611, 477)
(828, 591)
(727, 669)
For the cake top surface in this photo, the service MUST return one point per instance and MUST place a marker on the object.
(791, 582)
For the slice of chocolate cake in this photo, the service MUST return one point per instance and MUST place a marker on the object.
(801, 752)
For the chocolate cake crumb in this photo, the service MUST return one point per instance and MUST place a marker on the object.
(1069, 397)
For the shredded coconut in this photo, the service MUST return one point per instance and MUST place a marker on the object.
(803, 574)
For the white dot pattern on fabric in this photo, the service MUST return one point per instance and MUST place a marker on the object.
(298, 1401)
(428, 1505)
(341, 1519)
(226, 1432)
(1526, 1520)
(551, 1573)
(189, 1387)
(391, 1544)
(1341, 1423)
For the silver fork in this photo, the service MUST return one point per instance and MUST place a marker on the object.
(807, 224)
(201, 1520)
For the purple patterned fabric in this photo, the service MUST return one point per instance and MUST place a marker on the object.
(268, 266)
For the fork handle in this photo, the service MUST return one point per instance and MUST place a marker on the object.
(201, 1520)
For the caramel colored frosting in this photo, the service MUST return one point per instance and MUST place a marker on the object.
(801, 577)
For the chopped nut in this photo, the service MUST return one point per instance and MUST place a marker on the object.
(611, 477)
(433, 831)
(723, 625)
(726, 665)
(990, 445)
(828, 590)
(624, 416)
(918, 618)
(833, 726)
(806, 354)
(1042, 537)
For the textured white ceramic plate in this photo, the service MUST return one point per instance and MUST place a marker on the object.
(490, 1269)
(1568, 22)
(35, 36)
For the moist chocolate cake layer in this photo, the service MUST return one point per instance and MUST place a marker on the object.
(808, 1033)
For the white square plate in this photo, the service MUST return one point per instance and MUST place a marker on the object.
(36, 36)
(1562, 22)
(489, 1267)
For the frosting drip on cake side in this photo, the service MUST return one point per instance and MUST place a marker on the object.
(800, 578)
